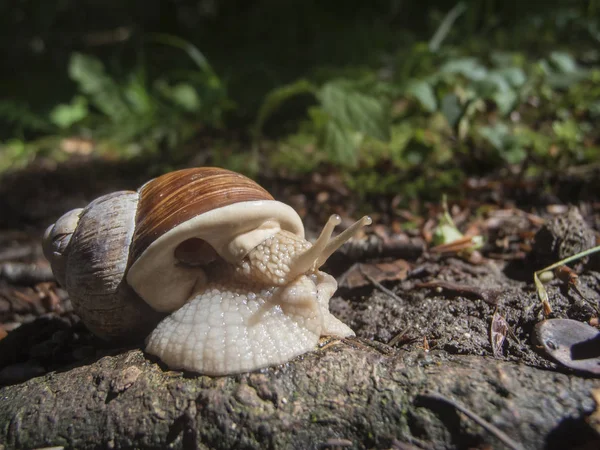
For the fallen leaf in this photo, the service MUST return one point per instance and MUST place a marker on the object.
(357, 275)
(573, 344)
(498, 331)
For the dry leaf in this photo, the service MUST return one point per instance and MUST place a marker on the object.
(357, 275)
(572, 343)
(498, 331)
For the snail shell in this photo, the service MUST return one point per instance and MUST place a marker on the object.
(211, 254)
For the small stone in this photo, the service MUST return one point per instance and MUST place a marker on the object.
(322, 197)
(125, 379)
(563, 236)
(248, 396)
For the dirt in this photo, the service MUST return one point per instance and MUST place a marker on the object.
(459, 325)
(422, 330)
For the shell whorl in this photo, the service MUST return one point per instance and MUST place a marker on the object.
(56, 241)
(97, 259)
(223, 208)
(176, 197)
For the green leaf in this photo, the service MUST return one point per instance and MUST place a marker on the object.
(515, 76)
(501, 137)
(564, 62)
(446, 230)
(186, 96)
(562, 71)
(594, 109)
(451, 108)
(503, 59)
(14, 153)
(65, 115)
(341, 143)
(538, 142)
(182, 95)
(446, 25)
(424, 93)
(138, 97)
(445, 233)
(470, 68)
(21, 115)
(402, 133)
(192, 51)
(505, 100)
(497, 135)
(569, 132)
(355, 110)
(278, 97)
(102, 90)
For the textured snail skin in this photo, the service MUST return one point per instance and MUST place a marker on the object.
(250, 315)
(233, 326)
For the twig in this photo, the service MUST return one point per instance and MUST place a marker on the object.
(446, 25)
(396, 246)
(15, 253)
(399, 336)
(487, 295)
(479, 420)
(21, 273)
(378, 285)
(337, 443)
(539, 286)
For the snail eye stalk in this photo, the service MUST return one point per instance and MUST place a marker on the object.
(325, 246)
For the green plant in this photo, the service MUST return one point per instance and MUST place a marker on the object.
(149, 113)
(346, 115)
(131, 115)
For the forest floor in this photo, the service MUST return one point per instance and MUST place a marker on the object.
(445, 356)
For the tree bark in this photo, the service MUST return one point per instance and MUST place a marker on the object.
(347, 394)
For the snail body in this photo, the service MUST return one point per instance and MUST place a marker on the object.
(206, 265)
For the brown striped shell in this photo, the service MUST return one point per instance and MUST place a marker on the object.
(175, 197)
(117, 257)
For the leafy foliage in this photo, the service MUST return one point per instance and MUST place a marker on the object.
(19, 115)
(132, 115)
(495, 109)
(344, 117)
(137, 110)
(401, 101)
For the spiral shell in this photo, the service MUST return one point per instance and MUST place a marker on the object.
(117, 257)
(97, 259)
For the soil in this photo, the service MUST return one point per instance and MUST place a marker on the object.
(426, 322)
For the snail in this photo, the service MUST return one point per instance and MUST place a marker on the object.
(203, 263)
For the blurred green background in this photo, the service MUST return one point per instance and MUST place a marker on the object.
(393, 95)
